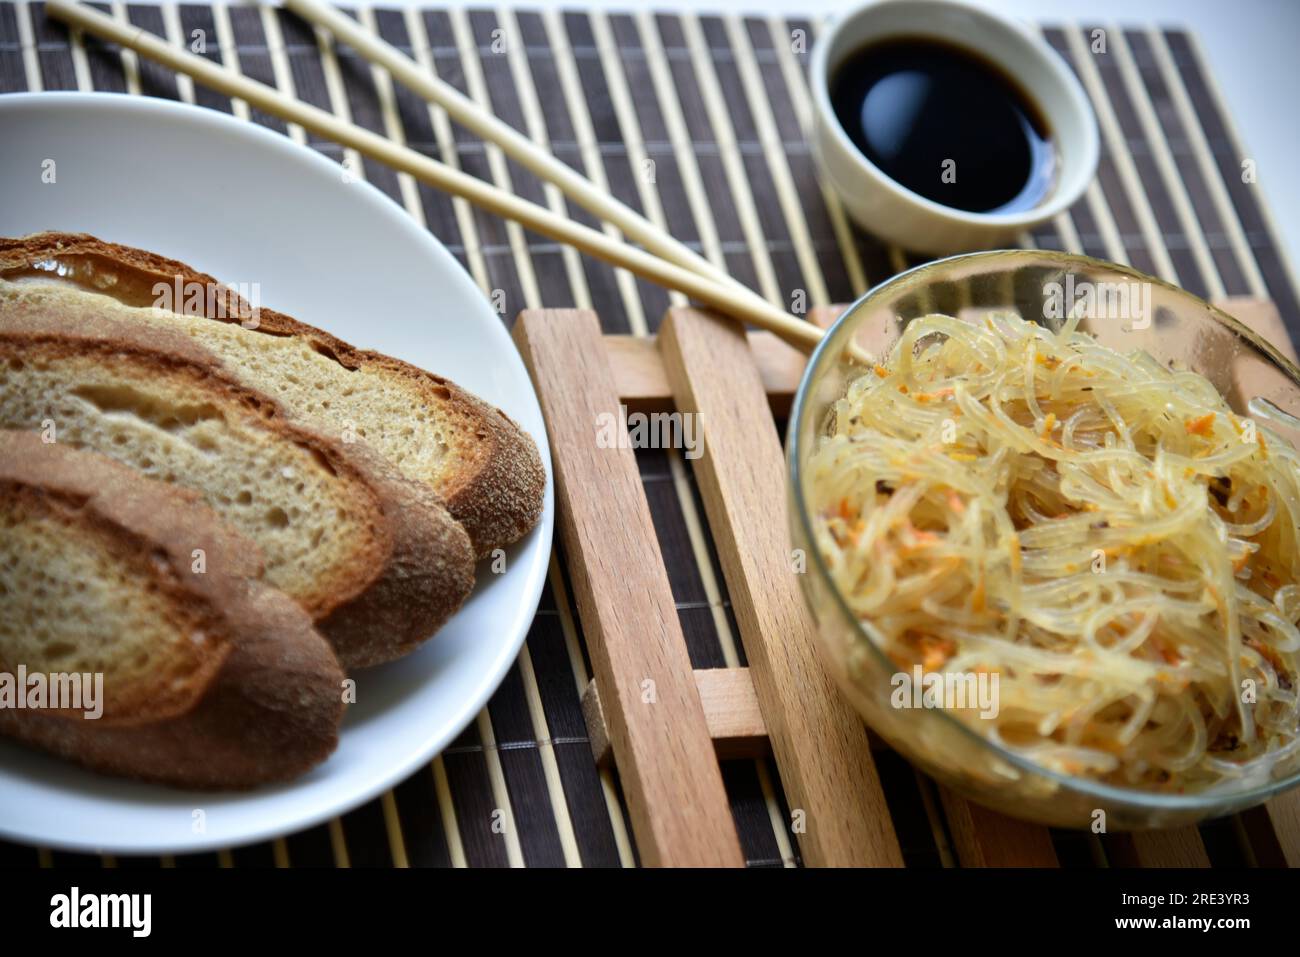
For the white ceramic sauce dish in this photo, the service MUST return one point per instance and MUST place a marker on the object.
(903, 217)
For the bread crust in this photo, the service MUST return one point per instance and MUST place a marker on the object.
(399, 588)
(493, 485)
(270, 710)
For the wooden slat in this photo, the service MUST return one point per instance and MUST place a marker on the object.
(674, 790)
(1274, 831)
(819, 741)
(1262, 316)
(825, 316)
(1180, 847)
(643, 385)
(731, 711)
(985, 838)
(730, 708)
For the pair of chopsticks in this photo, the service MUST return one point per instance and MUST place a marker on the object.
(659, 258)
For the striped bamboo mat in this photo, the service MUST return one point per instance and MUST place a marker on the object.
(701, 122)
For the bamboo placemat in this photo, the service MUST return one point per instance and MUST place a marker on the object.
(699, 121)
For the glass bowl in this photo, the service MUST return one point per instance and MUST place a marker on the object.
(1128, 311)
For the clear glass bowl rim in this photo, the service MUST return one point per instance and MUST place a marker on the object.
(935, 270)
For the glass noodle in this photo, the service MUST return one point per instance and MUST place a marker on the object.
(1100, 531)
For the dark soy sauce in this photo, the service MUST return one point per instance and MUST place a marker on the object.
(946, 124)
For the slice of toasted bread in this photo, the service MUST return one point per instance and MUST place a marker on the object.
(211, 678)
(373, 558)
(485, 468)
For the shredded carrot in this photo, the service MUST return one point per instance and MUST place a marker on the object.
(1202, 425)
(1170, 655)
(936, 394)
(881, 371)
(934, 651)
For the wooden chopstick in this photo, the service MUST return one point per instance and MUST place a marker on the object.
(491, 128)
(723, 297)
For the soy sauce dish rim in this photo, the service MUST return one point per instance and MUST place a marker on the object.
(1073, 176)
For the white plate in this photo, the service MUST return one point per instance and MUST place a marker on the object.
(248, 205)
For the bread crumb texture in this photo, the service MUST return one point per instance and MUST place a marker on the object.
(312, 522)
(78, 597)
